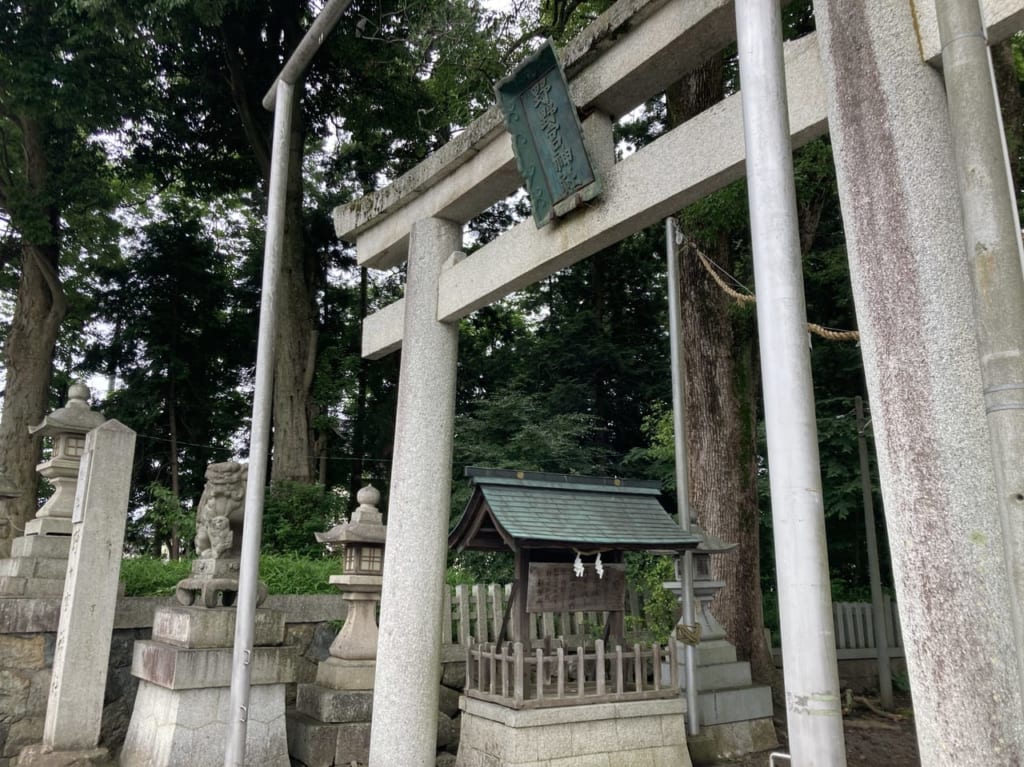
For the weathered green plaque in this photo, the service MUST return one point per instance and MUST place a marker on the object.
(547, 137)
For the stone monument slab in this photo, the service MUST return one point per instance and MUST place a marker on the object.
(75, 708)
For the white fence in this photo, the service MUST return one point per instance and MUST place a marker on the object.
(854, 625)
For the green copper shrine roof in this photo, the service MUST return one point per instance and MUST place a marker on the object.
(511, 509)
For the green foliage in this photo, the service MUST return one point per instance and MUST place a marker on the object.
(283, 574)
(514, 430)
(151, 576)
(179, 337)
(646, 573)
(296, 574)
(293, 512)
(656, 459)
(165, 519)
(480, 567)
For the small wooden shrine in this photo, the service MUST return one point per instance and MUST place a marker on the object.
(569, 535)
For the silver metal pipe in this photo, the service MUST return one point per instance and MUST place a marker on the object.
(874, 571)
(297, 63)
(259, 444)
(672, 237)
(809, 651)
(995, 254)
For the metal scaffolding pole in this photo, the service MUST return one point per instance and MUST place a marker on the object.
(259, 447)
(994, 252)
(808, 642)
(672, 235)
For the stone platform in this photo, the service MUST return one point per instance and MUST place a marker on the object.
(651, 733)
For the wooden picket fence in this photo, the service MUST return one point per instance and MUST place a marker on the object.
(515, 678)
(475, 613)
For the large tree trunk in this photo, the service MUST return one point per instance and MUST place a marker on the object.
(28, 359)
(295, 340)
(296, 335)
(720, 415)
(28, 355)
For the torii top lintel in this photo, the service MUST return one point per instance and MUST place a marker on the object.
(629, 54)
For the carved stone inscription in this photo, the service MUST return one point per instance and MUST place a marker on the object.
(555, 587)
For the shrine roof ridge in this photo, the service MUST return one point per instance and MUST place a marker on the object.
(480, 475)
(548, 510)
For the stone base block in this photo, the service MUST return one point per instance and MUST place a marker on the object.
(18, 586)
(650, 733)
(738, 704)
(44, 756)
(48, 546)
(727, 741)
(170, 728)
(327, 705)
(177, 668)
(48, 526)
(322, 744)
(340, 674)
(200, 627)
(34, 567)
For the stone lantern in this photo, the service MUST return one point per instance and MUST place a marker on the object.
(66, 427)
(38, 558)
(354, 651)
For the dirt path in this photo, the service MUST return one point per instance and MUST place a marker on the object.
(871, 741)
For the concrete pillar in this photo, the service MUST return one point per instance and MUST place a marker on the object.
(897, 182)
(409, 651)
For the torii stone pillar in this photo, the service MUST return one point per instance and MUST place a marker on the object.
(404, 729)
(898, 187)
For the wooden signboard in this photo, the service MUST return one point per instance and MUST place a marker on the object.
(555, 587)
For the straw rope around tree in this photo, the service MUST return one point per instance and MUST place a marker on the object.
(749, 298)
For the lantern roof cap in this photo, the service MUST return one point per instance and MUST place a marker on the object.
(365, 526)
(76, 417)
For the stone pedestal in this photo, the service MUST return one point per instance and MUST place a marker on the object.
(644, 732)
(736, 716)
(37, 564)
(182, 709)
(330, 723)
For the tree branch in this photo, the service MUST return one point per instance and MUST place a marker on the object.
(253, 132)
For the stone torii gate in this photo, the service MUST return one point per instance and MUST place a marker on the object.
(869, 77)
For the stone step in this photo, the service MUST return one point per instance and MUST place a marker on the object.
(12, 587)
(717, 677)
(738, 704)
(714, 652)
